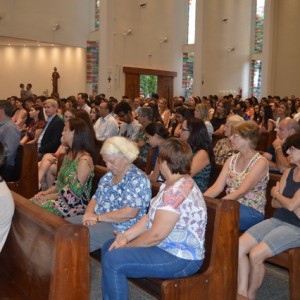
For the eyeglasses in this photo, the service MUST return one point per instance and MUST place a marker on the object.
(103, 107)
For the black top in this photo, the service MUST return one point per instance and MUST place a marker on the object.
(290, 189)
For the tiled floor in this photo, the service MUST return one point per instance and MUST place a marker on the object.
(275, 286)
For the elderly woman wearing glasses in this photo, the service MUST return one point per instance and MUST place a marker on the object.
(274, 235)
(245, 174)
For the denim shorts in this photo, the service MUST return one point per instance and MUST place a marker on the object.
(277, 234)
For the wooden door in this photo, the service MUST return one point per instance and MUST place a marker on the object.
(132, 85)
(165, 88)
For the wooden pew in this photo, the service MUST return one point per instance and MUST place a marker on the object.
(27, 184)
(217, 278)
(44, 257)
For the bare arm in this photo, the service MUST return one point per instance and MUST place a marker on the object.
(22, 117)
(282, 161)
(123, 238)
(200, 161)
(256, 174)
(220, 183)
(85, 166)
(24, 140)
(163, 223)
(118, 216)
(270, 125)
(292, 204)
(36, 136)
(272, 165)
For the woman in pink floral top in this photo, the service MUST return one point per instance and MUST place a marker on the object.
(245, 174)
(168, 242)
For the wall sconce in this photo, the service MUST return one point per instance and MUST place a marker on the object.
(163, 40)
(127, 32)
(56, 27)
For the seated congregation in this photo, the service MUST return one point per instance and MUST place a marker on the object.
(180, 157)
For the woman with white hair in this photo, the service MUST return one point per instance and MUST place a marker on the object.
(123, 193)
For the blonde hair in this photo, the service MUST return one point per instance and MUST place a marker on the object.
(248, 130)
(204, 110)
(52, 102)
(235, 119)
(120, 146)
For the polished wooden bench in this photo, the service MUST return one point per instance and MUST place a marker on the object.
(217, 278)
(44, 257)
(27, 183)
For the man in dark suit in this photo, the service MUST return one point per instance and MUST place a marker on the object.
(49, 140)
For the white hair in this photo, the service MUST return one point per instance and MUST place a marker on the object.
(120, 146)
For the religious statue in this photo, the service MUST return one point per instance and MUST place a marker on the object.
(55, 77)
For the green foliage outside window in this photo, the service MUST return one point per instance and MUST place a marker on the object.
(148, 85)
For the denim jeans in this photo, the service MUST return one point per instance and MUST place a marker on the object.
(249, 217)
(137, 262)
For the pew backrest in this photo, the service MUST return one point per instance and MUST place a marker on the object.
(27, 184)
(45, 256)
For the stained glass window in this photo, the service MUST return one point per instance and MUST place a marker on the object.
(92, 65)
(97, 14)
(256, 78)
(259, 26)
(188, 72)
(192, 21)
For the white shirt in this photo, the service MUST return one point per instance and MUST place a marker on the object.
(106, 127)
(86, 108)
(6, 212)
(131, 130)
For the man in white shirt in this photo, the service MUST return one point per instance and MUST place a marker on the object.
(106, 126)
(82, 100)
(131, 127)
(136, 105)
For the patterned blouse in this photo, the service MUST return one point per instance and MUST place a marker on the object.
(143, 150)
(73, 196)
(223, 150)
(134, 190)
(33, 126)
(256, 198)
(184, 198)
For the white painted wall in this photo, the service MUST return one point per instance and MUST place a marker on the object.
(34, 19)
(142, 48)
(35, 65)
(224, 47)
(286, 47)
